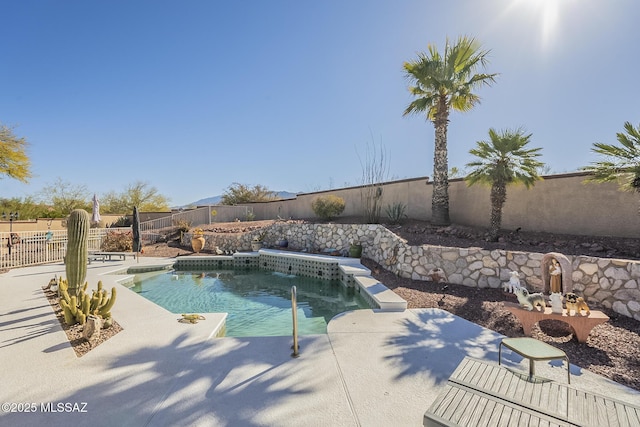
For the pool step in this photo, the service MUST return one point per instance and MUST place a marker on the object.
(355, 270)
(349, 271)
(384, 297)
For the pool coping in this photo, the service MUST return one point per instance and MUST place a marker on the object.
(373, 368)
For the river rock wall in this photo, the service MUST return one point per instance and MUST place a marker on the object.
(614, 283)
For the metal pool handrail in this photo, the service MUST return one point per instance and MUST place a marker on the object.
(294, 313)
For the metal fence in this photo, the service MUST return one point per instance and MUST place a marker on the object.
(191, 217)
(39, 247)
(199, 216)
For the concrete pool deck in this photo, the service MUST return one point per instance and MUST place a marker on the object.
(371, 369)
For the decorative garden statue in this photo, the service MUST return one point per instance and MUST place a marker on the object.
(556, 276)
(556, 302)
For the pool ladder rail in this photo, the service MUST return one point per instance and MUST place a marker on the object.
(294, 313)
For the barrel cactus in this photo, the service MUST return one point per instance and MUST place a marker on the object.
(77, 253)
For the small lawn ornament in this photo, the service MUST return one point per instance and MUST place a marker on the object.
(437, 275)
(91, 329)
(513, 284)
(556, 302)
(52, 285)
(529, 301)
(191, 318)
(555, 272)
(576, 304)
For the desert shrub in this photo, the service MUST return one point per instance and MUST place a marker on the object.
(117, 241)
(375, 168)
(123, 221)
(328, 207)
(371, 196)
(182, 225)
(395, 212)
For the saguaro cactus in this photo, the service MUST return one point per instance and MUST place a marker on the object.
(76, 258)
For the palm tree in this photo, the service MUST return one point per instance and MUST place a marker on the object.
(503, 160)
(623, 162)
(441, 83)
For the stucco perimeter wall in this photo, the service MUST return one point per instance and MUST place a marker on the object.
(614, 283)
(558, 204)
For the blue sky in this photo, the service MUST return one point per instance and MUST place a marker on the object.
(191, 96)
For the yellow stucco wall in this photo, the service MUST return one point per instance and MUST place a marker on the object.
(558, 204)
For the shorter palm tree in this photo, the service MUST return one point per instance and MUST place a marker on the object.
(503, 160)
(622, 162)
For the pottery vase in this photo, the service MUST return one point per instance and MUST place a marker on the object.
(283, 243)
(197, 243)
(355, 251)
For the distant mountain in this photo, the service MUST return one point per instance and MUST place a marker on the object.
(215, 200)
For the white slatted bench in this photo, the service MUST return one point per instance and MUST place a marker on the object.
(481, 393)
(94, 257)
(119, 255)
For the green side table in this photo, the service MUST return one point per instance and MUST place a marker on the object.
(533, 350)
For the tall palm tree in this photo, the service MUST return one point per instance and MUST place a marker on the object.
(503, 160)
(623, 162)
(441, 83)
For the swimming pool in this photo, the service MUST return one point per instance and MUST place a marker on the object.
(258, 302)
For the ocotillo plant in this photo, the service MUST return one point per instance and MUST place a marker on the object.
(77, 253)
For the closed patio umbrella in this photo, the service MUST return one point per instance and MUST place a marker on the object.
(137, 241)
(95, 215)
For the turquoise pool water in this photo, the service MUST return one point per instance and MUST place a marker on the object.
(258, 302)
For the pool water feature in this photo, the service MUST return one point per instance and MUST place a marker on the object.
(258, 302)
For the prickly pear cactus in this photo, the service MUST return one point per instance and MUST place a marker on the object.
(77, 253)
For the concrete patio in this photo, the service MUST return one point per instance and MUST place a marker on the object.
(371, 369)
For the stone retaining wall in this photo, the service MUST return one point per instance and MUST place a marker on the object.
(613, 283)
